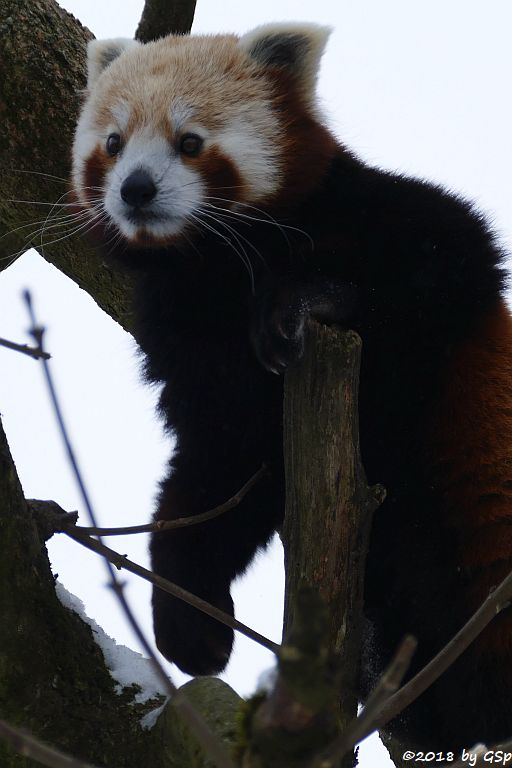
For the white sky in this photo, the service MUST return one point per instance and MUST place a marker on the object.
(421, 87)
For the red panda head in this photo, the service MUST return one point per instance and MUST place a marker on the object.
(175, 128)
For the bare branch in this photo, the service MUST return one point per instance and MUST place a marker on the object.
(121, 561)
(51, 519)
(391, 678)
(163, 17)
(27, 745)
(387, 685)
(301, 713)
(34, 352)
(180, 522)
(491, 607)
(212, 746)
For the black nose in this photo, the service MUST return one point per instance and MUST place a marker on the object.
(138, 189)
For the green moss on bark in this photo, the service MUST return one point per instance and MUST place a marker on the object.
(53, 679)
(220, 707)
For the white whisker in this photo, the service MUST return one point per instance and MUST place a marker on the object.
(42, 202)
(240, 251)
(267, 220)
(85, 227)
(28, 239)
(37, 173)
(60, 221)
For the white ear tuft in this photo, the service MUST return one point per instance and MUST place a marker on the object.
(294, 47)
(101, 53)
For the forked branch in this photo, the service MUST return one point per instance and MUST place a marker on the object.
(121, 561)
(34, 352)
(179, 522)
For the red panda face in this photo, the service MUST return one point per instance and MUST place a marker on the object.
(177, 129)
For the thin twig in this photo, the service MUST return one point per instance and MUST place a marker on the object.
(497, 600)
(52, 519)
(29, 746)
(386, 686)
(179, 522)
(121, 561)
(34, 352)
(211, 745)
(389, 707)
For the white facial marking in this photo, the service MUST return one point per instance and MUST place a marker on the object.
(253, 154)
(121, 113)
(180, 114)
(180, 190)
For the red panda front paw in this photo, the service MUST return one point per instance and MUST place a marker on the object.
(281, 310)
(196, 643)
(277, 331)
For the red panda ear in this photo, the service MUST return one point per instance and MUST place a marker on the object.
(101, 53)
(295, 48)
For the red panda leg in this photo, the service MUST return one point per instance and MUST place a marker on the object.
(204, 559)
(467, 534)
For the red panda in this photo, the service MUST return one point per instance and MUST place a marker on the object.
(207, 166)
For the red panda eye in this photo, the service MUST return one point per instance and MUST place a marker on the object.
(191, 144)
(113, 145)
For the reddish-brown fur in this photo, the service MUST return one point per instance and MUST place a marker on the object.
(303, 170)
(96, 167)
(473, 450)
(221, 175)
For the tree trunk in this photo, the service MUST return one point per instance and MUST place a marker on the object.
(329, 505)
(329, 508)
(53, 679)
(42, 55)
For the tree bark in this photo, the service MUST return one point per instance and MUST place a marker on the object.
(160, 18)
(53, 679)
(329, 505)
(42, 55)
